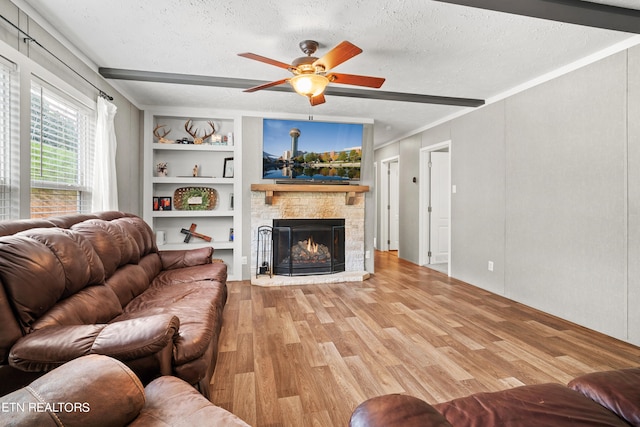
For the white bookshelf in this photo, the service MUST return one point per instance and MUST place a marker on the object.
(181, 159)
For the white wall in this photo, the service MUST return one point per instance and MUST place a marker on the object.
(566, 219)
(633, 199)
(548, 188)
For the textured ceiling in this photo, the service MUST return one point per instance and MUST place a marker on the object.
(419, 46)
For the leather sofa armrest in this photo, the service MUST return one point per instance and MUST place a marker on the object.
(618, 391)
(174, 402)
(396, 410)
(185, 258)
(131, 339)
(92, 390)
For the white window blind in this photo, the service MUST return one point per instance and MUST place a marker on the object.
(62, 133)
(7, 108)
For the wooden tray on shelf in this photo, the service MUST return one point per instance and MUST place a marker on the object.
(195, 199)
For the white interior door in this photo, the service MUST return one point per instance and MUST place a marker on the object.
(394, 207)
(439, 198)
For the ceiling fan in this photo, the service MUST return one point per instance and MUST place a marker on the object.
(311, 75)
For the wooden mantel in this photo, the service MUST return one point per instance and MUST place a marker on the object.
(349, 190)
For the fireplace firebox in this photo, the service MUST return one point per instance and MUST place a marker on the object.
(308, 246)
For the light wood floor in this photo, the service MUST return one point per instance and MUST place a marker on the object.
(308, 355)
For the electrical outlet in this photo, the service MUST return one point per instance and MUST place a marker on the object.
(490, 266)
(367, 254)
(245, 261)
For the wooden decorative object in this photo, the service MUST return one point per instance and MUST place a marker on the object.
(270, 190)
(195, 199)
(191, 232)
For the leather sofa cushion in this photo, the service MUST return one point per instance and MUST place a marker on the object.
(81, 263)
(55, 257)
(110, 243)
(8, 228)
(618, 391)
(533, 405)
(216, 271)
(128, 282)
(94, 304)
(151, 265)
(197, 304)
(138, 230)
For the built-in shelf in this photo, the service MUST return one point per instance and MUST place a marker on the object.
(217, 245)
(193, 180)
(192, 147)
(349, 190)
(194, 214)
(221, 222)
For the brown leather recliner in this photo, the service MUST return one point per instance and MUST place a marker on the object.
(608, 398)
(97, 284)
(100, 391)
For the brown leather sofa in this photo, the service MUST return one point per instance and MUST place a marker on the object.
(100, 391)
(609, 398)
(96, 284)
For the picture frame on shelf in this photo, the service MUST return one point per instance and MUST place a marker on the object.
(156, 203)
(231, 234)
(228, 168)
(231, 201)
(164, 203)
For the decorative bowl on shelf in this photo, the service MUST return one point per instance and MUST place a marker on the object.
(195, 199)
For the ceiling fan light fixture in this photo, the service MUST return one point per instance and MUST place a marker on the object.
(309, 85)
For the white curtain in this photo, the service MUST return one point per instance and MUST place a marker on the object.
(105, 184)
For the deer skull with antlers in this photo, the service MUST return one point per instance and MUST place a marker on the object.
(161, 138)
(188, 126)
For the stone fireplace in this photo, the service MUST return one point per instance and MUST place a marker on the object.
(308, 246)
(310, 203)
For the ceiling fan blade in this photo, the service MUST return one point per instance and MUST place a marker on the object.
(317, 100)
(266, 85)
(265, 60)
(356, 80)
(338, 55)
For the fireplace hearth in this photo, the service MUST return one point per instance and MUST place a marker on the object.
(308, 246)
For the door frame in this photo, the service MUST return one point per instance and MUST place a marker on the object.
(384, 201)
(423, 197)
(376, 230)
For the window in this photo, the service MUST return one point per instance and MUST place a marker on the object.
(61, 154)
(7, 100)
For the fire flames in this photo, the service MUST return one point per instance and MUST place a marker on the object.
(312, 247)
(309, 252)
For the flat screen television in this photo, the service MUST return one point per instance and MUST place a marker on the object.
(311, 150)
